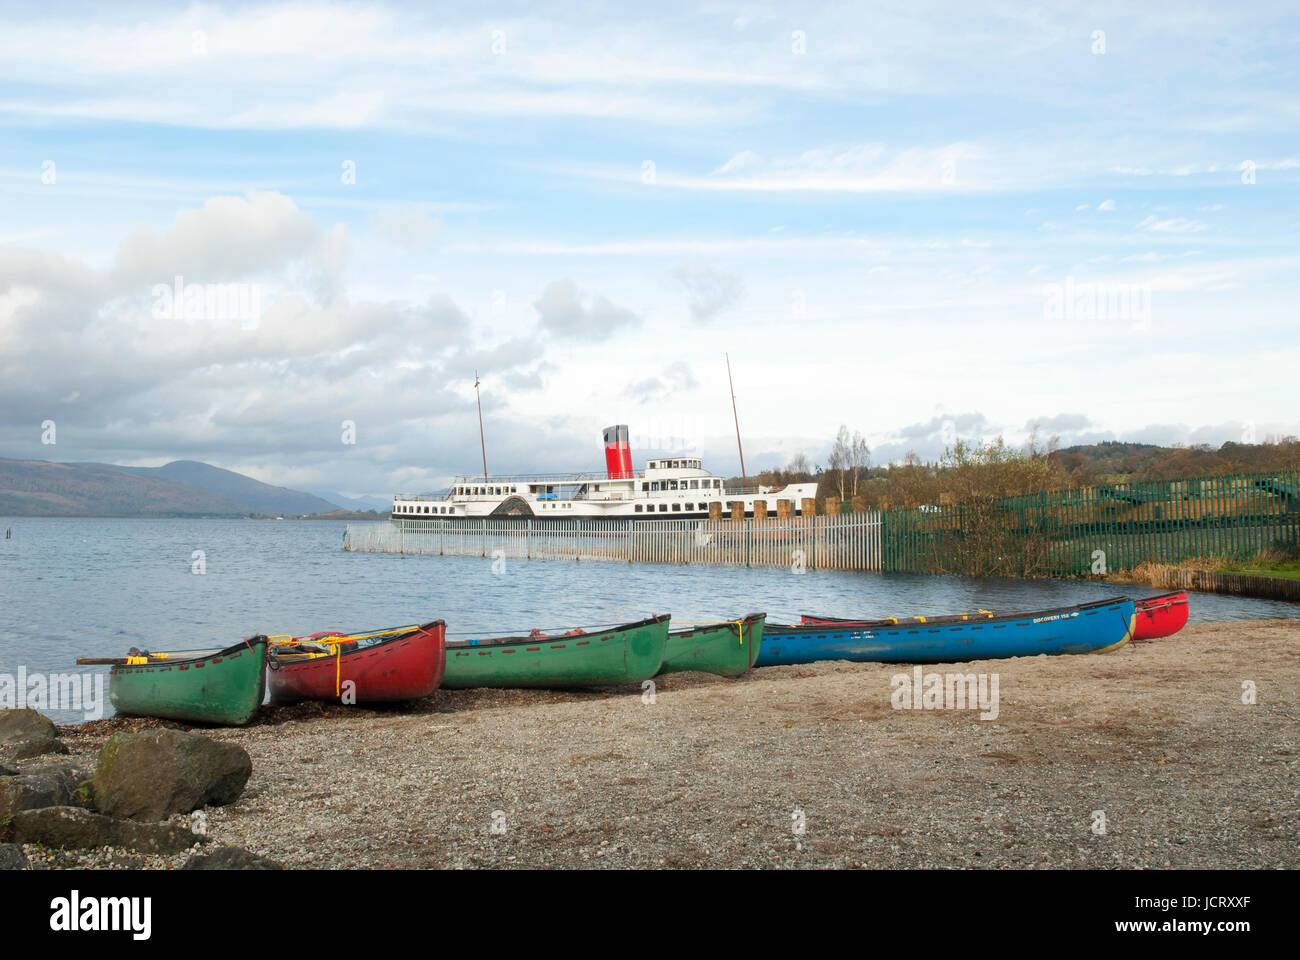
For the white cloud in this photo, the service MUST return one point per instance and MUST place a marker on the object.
(1172, 225)
(562, 312)
(709, 291)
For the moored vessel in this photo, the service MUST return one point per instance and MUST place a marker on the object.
(629, 653)
(669, 488)
(221, 687)
(381, 666)
(1095, 627)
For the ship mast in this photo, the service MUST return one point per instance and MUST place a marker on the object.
(481, 441)
(744, 481)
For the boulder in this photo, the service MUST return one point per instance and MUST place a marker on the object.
(13, 858)
(229, 858)
(25, 733)
(50, 785)
(152, 775)
(76, 828)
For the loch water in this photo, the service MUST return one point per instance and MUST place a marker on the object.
(72, 587)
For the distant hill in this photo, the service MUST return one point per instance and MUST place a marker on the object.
(382, 504)
(258, 497)
(184, 488)
(38, 488)
(1111, 460)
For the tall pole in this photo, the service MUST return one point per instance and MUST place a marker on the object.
(482, 443)
(744, 481)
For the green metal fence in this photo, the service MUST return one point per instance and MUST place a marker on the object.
(1095, 529)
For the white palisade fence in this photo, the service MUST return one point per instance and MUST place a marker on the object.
(844, 542)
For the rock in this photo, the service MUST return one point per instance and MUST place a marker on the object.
(12, 857)
(229, 858)
(150, 776)
(8, 771)
(25, 733)
(76, 828)
(52, 785)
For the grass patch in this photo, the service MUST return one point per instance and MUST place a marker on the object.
(1287, 570)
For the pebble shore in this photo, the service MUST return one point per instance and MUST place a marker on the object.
(1145, 757)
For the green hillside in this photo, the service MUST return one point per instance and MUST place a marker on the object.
(39, 488)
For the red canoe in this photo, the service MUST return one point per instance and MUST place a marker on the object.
(1160, 616)
(401, 663)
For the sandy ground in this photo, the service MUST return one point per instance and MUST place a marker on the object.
(725, 773)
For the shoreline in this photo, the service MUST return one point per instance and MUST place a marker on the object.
(717, 773)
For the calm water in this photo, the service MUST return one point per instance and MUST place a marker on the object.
(71, 587)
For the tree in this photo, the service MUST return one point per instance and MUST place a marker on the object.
(859, 458)
(841, 456)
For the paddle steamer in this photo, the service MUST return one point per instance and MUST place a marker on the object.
(670, 488)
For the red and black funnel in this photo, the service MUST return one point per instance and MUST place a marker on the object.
(618, 453)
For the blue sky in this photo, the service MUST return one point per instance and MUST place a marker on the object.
(918, 220)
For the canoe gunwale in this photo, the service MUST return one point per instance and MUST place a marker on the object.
(247, 644)
(518, 641)
(948, 619)
(746, 621)
(1163, 601)
(273, 664)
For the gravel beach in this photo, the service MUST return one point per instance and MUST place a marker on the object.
(1141, 758)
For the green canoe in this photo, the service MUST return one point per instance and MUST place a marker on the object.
(627, 654)
(728, 649)
(224, 688)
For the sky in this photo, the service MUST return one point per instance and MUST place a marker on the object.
(284, 238)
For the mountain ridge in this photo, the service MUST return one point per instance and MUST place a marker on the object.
(182, 488)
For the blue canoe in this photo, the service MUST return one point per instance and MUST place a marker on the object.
(1085, 628)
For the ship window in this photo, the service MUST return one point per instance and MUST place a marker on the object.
(695, 484)
(645, 488)
(672, 484)
(677, 507)
(637, 508)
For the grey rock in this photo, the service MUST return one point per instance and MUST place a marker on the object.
(12, 857)
(50, 785)
(26, 733)
(150, 776)
(230, 858)
(76, 828)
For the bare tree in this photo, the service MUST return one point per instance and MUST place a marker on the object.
(859, 458)
(841, 457)
(799, 464)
